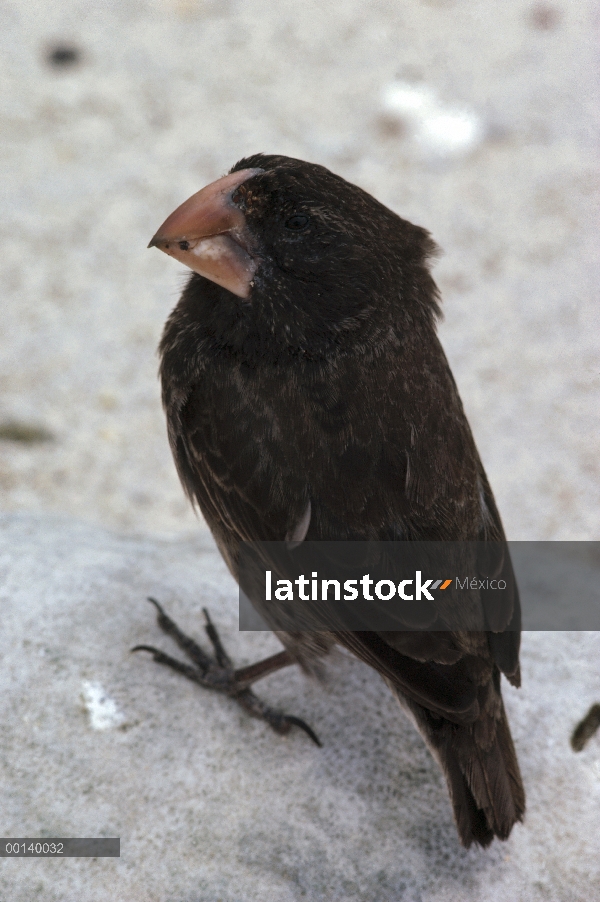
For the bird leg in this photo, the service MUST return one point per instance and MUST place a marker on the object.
(218, 672)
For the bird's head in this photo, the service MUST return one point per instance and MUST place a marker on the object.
(300, 254)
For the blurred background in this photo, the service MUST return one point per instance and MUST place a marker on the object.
(475, 119)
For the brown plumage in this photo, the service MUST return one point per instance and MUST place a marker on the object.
(307, 396)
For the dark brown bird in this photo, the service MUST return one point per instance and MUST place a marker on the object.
(308, 397)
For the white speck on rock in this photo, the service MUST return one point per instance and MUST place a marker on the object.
(440, 130)
(103, 711)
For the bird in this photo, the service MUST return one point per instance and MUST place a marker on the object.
(308, 399)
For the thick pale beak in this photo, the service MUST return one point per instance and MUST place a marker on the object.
(208, 233)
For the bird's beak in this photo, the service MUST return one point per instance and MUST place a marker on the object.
(208, 233)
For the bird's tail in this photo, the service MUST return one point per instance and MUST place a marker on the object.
(481, 770)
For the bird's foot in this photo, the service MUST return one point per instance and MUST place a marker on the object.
(218, 672)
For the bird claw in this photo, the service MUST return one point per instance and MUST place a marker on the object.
(298, 722)
(221, 655)
(218, 673)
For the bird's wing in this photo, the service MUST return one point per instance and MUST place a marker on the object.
(232, 464)
(502, 620)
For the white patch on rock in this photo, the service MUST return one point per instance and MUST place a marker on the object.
(103, 711)
(440, 130)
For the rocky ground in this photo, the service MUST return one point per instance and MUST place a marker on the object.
(211, 805)
(493, 147)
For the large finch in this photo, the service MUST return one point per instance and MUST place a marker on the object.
(308, 398)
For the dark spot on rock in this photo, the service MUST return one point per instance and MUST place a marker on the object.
(544, 17)
(63, 56)
(584, 731)
(184, 245)
(391, 126)
(25, 433)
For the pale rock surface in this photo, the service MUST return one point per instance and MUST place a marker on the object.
(170, 93)
(211, 805)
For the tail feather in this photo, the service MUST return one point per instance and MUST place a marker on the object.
(512, 766)
(481, 770)
(471, 821)
(486, 777)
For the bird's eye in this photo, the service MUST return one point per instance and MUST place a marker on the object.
(297, 222)
(237, 196)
